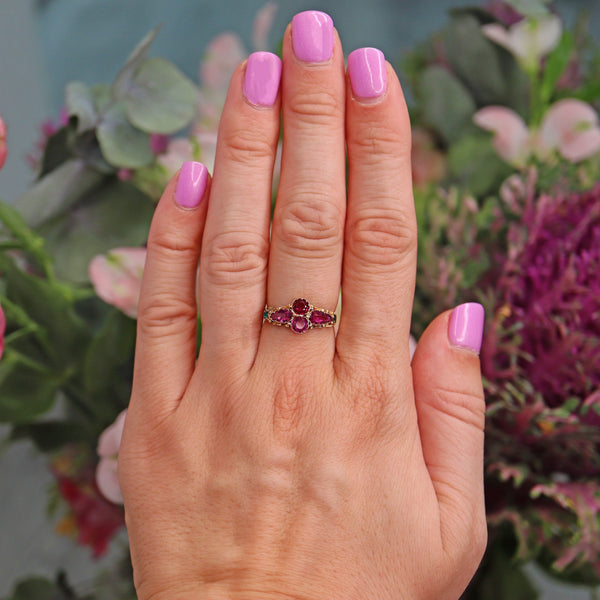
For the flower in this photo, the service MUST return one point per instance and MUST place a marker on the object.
(2, 330)
(117, 277)
(540, 360)
(109, 443)
(528, 40)
(569, 126)
(504, 12)
(3, 148)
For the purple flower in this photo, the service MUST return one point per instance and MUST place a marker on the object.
(504, 12)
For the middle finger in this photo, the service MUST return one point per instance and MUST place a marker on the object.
(307, 236)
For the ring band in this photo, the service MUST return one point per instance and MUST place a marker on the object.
(300, 316)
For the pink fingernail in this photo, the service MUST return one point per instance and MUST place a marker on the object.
(466, 326)
(191, 184)
(368, 74)
(261, 81)
(312, 36)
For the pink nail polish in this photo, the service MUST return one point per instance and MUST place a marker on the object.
(261, 81)
(191, 184)
(312, 36)
(466, 326)
(367, 71)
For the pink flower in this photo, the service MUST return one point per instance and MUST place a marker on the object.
(3, 148)
(109, 443)
(2, 330)
(262, 26)
(117, 277)
(511, 135)
(428, 163)
(569, 126)
(528, 40)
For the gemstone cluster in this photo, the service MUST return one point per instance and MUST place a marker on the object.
(299, 316)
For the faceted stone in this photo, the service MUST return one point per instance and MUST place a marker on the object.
(318, 317)
(300, 306)
(265, 314)
(283, 315)
(299, 324)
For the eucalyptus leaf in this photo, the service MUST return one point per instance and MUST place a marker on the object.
(101, 97)
(115, 214)
(446, 103)
(80, 104)
(137, 57)
(474, 59)
(57, 191)
(160, 98)
(122, 144)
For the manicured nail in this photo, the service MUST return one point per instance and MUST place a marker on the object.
(261, 81)
(466, 326)
(191, 184)
(312, 36)
(368, 75)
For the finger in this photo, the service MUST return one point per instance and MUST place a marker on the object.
(167, 314)
(451, 415)
(306, 240)
(381, 231)
(233, 269)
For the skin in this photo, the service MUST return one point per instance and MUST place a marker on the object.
(283, 466)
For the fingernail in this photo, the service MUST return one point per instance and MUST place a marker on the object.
(367, 71)
(466, 326)
(261, 81)
(312, 36)
(191, 184)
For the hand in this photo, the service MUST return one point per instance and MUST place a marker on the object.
(313, 466)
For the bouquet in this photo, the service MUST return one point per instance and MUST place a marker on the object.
(506, 170)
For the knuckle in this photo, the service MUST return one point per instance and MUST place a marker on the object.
(464, 406)
(167, 314)
(243, 254)
(311, 224)
(382, 237)
(247, 145)
(375, 141)
(291, 399)
(316, 107)
(171, 245)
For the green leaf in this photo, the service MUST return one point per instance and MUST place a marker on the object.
(26, 390)
(108, 362)
(36, 588)
(160, 98)
(122, 144)
(80, 104)
(115, 214)
(101, 97)
(533, 9)
(474, 59)
(49, 436)
(57, 192)
(557, 62)
(137, 57)
(446, 104)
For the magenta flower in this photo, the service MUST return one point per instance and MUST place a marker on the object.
(109, 443)
(117, 277)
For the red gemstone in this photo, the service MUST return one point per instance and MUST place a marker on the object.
(299, 324)
(283, 315)
(318, 317)
(300, 306)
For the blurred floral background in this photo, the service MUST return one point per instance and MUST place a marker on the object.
(504, 100)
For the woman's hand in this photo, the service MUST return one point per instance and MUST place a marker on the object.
(313, 466)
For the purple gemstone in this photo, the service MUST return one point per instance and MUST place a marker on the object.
(318, 317)
(283, 315)
(300, 306)
(299, 324)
